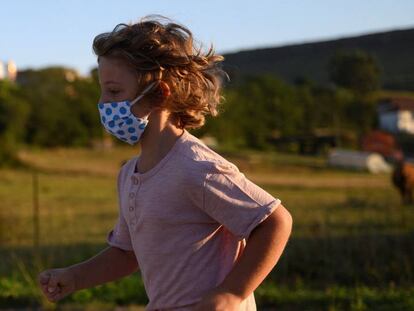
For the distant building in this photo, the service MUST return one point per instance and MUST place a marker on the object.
(2, 71)
(396, 115)
(11, 70)
(8, 71)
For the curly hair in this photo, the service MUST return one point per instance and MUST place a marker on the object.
(159, 49)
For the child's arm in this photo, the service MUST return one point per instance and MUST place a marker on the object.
(110, 264)
(263, 250)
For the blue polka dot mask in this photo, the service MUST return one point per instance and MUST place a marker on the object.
(118, 119)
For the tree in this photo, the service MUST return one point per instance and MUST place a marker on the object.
(64, 107)
(253, 111)
(355, 70)
(358, 72)
(13, 116)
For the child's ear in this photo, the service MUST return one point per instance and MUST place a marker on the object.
(161, 94)
(165, 90)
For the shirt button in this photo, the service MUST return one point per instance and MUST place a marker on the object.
(131, 208)
(132, 195)
(136, 181)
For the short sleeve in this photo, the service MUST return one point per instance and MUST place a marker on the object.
(235, 201)
(119, 236)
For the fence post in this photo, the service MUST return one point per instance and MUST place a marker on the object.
(35, 212)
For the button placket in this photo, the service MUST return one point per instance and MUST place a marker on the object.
(131, 200)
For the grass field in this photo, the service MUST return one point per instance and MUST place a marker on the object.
(352, 245)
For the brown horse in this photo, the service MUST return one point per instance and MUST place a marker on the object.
(403, 178)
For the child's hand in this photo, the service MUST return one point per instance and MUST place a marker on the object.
(56, 283)
(219, 301)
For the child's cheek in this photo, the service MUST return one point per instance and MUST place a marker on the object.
(139, 110)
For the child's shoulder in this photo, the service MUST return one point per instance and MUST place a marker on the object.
(196, 155)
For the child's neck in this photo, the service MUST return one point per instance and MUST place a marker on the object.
(157, 140)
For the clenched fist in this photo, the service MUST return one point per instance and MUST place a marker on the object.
(56, 283)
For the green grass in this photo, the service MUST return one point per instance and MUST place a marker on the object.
(351, 247)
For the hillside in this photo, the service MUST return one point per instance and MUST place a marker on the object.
(393, 50)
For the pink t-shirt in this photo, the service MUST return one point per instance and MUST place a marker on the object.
(187, 219)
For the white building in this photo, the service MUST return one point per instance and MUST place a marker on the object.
(8, 71)
(2, 71)
(396, 115)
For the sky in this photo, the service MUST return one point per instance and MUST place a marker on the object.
(37, 34)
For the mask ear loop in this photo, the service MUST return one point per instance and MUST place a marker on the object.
(144, 92)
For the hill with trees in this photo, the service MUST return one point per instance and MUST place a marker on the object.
(393, 50)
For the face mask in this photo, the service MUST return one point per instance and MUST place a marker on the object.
(118, 119)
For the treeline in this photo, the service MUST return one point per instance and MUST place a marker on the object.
(55, 107)
(48, 108)
(261, 108)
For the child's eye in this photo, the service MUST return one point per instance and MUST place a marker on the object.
(113, 92)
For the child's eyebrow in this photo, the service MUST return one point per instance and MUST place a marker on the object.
(111, 82)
